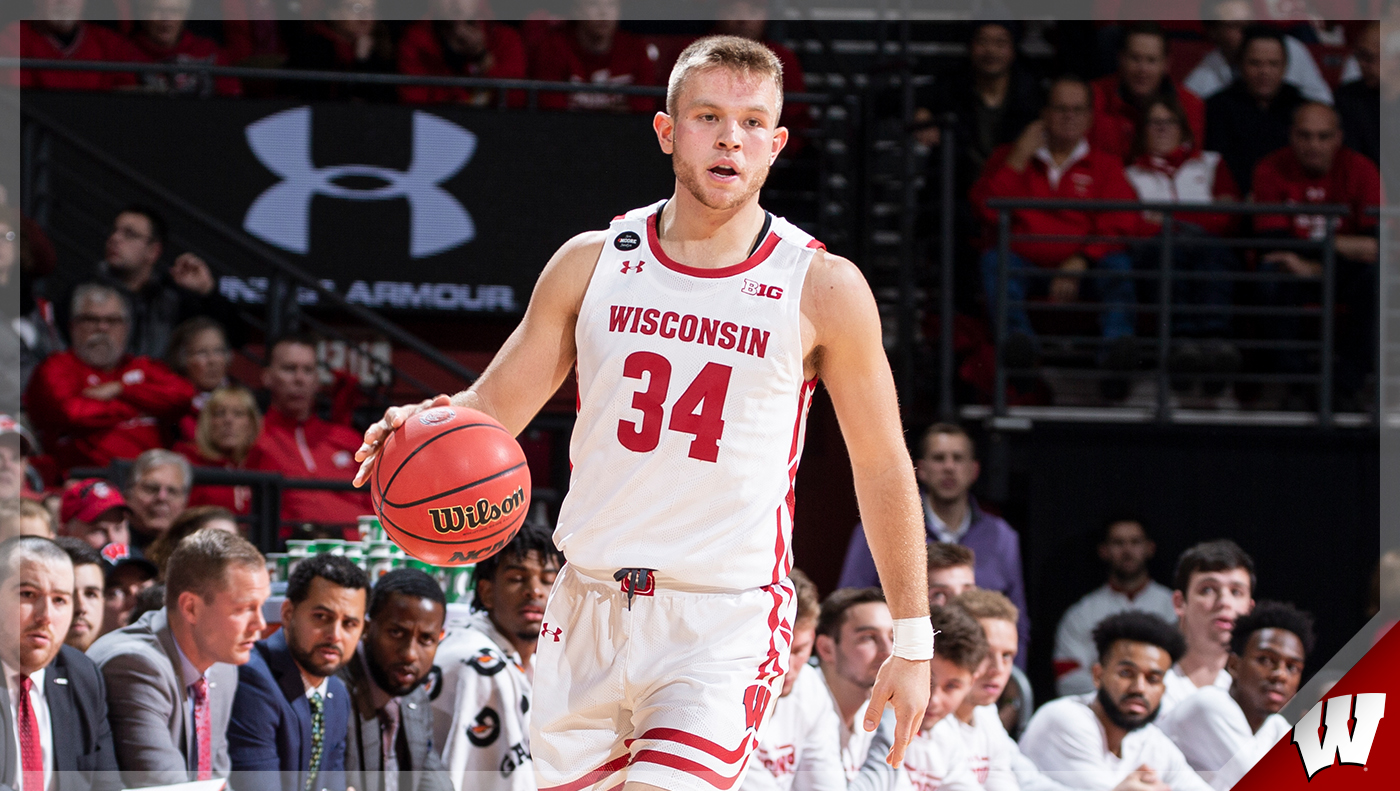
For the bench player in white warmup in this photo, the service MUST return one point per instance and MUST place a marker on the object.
(699, 327)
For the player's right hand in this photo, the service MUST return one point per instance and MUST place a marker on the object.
(904, 685)
(375, 435)
(1142, 778)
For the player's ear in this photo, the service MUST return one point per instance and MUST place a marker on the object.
(780, 138)
(1097, 672)
(1179, 603)
(826, 648)
(665, 132)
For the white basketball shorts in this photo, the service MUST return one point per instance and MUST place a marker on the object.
(670, 691)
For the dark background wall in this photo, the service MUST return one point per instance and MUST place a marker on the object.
(1302, 502)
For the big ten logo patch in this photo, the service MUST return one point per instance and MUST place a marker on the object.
(760, 290)
(1341, 740)
(455, 518)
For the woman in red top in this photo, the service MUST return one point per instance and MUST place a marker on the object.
(228, 426)
(199, 352)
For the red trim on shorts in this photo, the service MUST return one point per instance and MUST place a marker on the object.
(722, 782)
(769, 244)
(700, 743)
(597, 775)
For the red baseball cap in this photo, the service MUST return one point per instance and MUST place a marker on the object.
(88, 499)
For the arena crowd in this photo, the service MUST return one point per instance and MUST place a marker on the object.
(148, 654)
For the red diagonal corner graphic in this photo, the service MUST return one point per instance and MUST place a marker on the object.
(1284, 767)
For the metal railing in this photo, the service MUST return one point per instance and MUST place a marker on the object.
(1167, 242)
(264, 519)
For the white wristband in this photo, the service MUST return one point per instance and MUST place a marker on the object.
(913, 638)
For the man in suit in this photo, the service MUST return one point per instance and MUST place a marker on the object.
(391, 727)
(55, 697)
(171, 676)
(291, 714)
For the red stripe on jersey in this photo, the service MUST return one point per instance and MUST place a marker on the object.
(722, 782)
(769, 245)
(782, 563)
(596, 776)
(815, 245)
(700, 743)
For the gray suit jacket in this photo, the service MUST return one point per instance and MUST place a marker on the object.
(363, 767)
(152, 726)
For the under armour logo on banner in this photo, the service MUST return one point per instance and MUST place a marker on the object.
(282, 214)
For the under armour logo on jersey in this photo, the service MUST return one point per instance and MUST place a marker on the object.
(760, 290)
(627, 267)
(282, 214)
(545, 631)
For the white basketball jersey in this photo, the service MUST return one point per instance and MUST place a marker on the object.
(691, 414)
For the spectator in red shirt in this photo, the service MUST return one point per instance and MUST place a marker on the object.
(94, 402)
(57, 32)
(1316, 168)
(458, 42)
(1121, 99)
(1169, 168)
(162, 38)
(1053, 159)
(592, 49)
(228, 426)
(298, 444)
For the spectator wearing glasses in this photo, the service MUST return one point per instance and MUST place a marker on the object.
(199, 352)
(157, 491)
(459, 41)
(228, 426)
(159, 298)
(1054, 159)
(96, 402)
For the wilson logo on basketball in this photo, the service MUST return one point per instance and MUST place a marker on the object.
(434, 416)
(454, 519)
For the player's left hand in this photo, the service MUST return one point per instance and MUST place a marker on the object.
(905, 685)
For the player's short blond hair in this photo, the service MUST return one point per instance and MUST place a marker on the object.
(984, 604)
(730, 52)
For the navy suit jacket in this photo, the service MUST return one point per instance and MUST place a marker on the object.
(269, 734)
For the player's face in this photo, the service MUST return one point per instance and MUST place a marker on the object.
(515, 598)
(1126, 550)
(951, 685)
(724, 136)
(1267, 676)
(401, 642)
(1131, 681)
(947, 469)
(866, 641)
(227, 627)
(948, 583)
(804, 636)
(87, 606)
(996, 671)
(324, 628)
(1213, 600)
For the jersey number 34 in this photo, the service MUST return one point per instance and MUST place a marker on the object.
(698, 411)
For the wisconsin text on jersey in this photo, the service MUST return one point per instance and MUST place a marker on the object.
(689, 329)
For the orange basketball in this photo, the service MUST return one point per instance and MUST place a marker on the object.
(451, 486)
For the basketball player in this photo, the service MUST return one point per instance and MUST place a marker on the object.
(699, 327)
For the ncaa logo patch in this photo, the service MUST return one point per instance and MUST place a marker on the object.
(627, 240)
(433, 417)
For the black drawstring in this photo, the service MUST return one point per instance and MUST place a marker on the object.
(635, 578)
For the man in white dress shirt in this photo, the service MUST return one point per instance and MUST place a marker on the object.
(1213, 586)
(799, 748)
(1126, 548)
(1093, 742)
(1224, 733)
